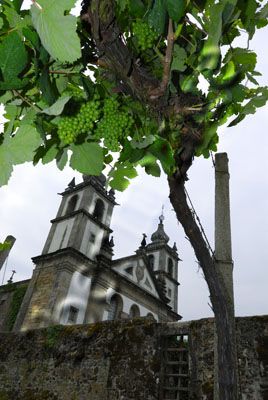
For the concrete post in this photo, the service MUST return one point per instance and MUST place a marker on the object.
(223, 244)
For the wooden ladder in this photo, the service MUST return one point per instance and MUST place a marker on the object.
(174, 377)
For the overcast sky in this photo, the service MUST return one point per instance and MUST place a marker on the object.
(30, 201)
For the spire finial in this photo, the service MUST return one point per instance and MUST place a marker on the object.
(161, 218)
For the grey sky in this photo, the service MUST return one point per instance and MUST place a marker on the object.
(30, 200)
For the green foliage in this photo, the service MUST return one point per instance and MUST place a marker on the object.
(87, 158)
(52, 335)
(179, 59)
(17, 149)
(50, 21)
(58, 100)
(13, 59)
(176, 9)
(4, 246)
(17, 299)
(121, 175)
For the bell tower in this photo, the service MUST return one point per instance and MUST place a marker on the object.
(68, 263)
(164, 262)
(83, 219)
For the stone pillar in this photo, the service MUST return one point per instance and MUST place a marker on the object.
(223, 243)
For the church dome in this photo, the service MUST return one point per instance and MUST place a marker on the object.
(160, 235)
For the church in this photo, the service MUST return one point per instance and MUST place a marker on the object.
(77, 281)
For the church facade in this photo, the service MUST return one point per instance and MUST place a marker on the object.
(77, 281)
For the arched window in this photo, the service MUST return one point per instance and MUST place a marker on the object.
(116, 307)
(151, 261)
(99, 210)
(134, 311)
(150, 316)
(170, 267)
(72, 204)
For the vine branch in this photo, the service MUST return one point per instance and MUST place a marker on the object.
(168, 57)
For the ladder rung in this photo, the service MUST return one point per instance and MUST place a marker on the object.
(176, 388)
(176, 363)
(178, 375)
(177, 349)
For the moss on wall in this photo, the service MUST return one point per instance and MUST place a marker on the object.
(17, 298)
(53, 333)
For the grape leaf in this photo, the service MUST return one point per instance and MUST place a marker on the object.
(189, 83)
(13, 59)
(56, 30)
(149, 162)
(58, 106)
(143, 143)
(179, 58)
(17, 150)
(62, 158)
(263, 14)
(258, 100)
(157, 16)
(211, 51)
(87, 158)
(176, 9)
(50, 155)
(121, 175)
(162, 150)
(210, 132)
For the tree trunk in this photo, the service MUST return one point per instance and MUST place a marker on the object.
(223, 311)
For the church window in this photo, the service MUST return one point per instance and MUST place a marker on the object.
(129, 270)
(92, 238)
(150, 316)
(72, 204)
(170, 267)
(151, 261)
(99, 210)
(73, 314)
(116, 307)
(169, 292)
(134, 311)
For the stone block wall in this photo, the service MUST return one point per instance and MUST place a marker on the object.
(11, 297)
(121, 360)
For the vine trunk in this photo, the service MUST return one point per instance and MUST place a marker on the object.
(223, 311)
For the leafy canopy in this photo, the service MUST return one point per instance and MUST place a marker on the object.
(65, 99)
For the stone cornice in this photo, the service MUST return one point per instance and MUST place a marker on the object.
(90, 216)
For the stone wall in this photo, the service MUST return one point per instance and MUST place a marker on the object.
(121, 360)
(11, 297)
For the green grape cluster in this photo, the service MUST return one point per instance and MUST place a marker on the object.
(82, 122)
(114, 125)
(145, 35)
(77, 93)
